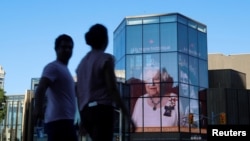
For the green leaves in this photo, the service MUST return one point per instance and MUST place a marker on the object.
(3, 107)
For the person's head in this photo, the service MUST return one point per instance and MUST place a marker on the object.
(63, 47)
(151, 78)
(97, 37)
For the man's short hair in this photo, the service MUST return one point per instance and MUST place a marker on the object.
(60, 38)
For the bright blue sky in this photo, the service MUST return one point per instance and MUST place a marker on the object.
(28, 29)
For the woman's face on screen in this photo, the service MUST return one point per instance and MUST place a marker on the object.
(152, 82)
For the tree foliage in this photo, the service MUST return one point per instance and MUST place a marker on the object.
(3, 107)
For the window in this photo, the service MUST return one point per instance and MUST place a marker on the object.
(134, 39)
(168, 37)
(151, 38)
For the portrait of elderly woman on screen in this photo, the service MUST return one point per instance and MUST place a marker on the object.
(158, 107)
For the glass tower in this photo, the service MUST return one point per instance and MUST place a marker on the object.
(162, 62)
(11, 126)
(2, 75)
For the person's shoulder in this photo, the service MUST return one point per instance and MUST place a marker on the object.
(100, 54)
(48, 64)
(108, 54)
(51, 65)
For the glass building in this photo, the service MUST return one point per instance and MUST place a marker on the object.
(11, 127)
(162, 65)
(2, 75)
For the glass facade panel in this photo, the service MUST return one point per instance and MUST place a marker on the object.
(134, 39)
(192, 24)
(137, 89)
(169, 63)
(203, 73)
(151, 20)
(120, 68)
(202, 28)
(183, 75)
(182, 38)
(119, 43)
(202, 44)
(184, 111)
(119, 50)
(193, 92)
(193, 71)
(192, 40)
(151, 60)
(151, 38)
(169, 18)
(168, 37)
(203, 113)
(133, 66)
(183, 88)
(119, 29)
(194, 108)
(134, 21)
(182, 20)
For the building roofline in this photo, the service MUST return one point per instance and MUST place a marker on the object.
(155, 15)
(228, 54)
(163, 14)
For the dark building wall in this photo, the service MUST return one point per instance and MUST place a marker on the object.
(227, 93)
(239, 62)
(227, 78)
(232, 106)
(234, 102)
(238, 106)
(216, 104)
(244, 107)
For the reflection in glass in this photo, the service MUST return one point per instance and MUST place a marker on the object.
(151, 38)
(134, 39)
(133, 66)
(192, 40)
(169, 61)
(189, 106)
(151, 60)
(202, 43)
(203, 73)
(182, 38)
(168, 38)
(193, 70)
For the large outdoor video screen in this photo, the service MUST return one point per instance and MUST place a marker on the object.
(162, 94)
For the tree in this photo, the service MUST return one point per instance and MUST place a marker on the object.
(3, 107)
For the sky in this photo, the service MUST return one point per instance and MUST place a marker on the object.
(28, 29)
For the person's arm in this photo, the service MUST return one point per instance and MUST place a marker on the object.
(39, 98)
(110, 79)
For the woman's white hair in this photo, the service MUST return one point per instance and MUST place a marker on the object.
(145, 70)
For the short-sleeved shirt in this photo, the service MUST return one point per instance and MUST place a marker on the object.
(61, 98)
(91, 84)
